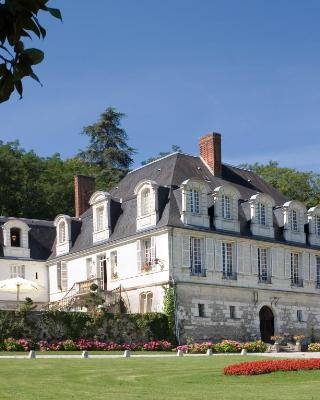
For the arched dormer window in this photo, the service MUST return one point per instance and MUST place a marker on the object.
(147, 204)
(63, 234)
(261, 214)
(226, 200)
(294, 216)
(100, 202)
(195, 203)
(314, 225)
(16, 238)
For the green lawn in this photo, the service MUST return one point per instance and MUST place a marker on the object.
(183, 378)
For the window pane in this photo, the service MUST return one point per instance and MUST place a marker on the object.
(227, 259)
(145, 202)
(294, 220)
(261, 214)
(295, 268)
(195, 255)
(263, 264)
(99, 218)
(225, 203)
(194, 201)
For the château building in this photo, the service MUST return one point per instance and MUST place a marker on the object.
(244, 260)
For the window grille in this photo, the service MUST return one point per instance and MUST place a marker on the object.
(261, 214)
(194, 201)
(226, 210)
(195, 256)
(227, 260)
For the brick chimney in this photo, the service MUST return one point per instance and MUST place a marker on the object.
(210, 152)
(84, 187)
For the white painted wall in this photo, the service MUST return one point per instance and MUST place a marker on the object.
(132, 281)
(31, 269)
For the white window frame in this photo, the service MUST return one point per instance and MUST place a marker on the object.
(17, 271)
(145, 202)
(146, 300)
(294, 220)
(194, 201)
(261, 214)
(62, 232)
(263, 265)
(196, 256)
(295, 269)
(100, 225)
(226, 206)
(227, 259)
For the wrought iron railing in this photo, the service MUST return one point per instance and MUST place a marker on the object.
(297, 282)
(202, 272)
(264, 279)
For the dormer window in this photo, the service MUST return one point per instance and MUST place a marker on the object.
(63, 232)
(194, 207)
(314, 225)
(194, 202)
(225, 204)
(294, 216)
(226, 200)
(100, 202)
(147, 204)
(15, 237)
(261, 214)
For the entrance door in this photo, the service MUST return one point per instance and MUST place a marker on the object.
(266, 323)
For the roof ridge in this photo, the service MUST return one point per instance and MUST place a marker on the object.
(154, 161)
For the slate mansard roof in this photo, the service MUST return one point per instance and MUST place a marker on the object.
(41, 237)
(169, 173)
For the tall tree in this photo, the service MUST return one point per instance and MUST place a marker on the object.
(296, 185)
(174, 148)
(108, 148)
(18, 20)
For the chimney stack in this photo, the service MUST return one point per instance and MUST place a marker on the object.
(210, 152)
(84, 187)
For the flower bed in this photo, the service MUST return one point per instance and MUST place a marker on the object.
(314, 347)
(83, 344)
(226, 346)
(265, 367)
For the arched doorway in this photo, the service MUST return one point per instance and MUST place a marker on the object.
(266, 323)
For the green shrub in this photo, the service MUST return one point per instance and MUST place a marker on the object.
(257, 346)
(228, 346)
(69, 345)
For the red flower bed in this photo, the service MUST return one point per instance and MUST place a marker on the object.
(265, 367)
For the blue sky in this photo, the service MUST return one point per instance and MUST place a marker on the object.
(249, 69)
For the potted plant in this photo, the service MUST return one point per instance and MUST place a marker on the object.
(146, 267)
(277, 339)
(298, 339)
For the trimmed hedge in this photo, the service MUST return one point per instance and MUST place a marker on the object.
(60, 325)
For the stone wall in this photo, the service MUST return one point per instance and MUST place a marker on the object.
(217, 323)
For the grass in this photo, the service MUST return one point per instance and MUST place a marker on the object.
(174, 378)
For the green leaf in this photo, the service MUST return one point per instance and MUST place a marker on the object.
(34, 76)
(3, 69)
(55, 12)
(35, 55)
(6, 87)
(18, 86)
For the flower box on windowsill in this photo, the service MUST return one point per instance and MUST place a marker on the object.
(147, 267)
(114, 275)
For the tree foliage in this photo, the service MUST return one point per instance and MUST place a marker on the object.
(108, 149)
(294, 184)
(174, 148)
(18, 21)
(37, 187)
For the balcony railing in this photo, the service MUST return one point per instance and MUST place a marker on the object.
(84, 286)
(202, 272)
(264, 279)
(229, 275)
(297, 282)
